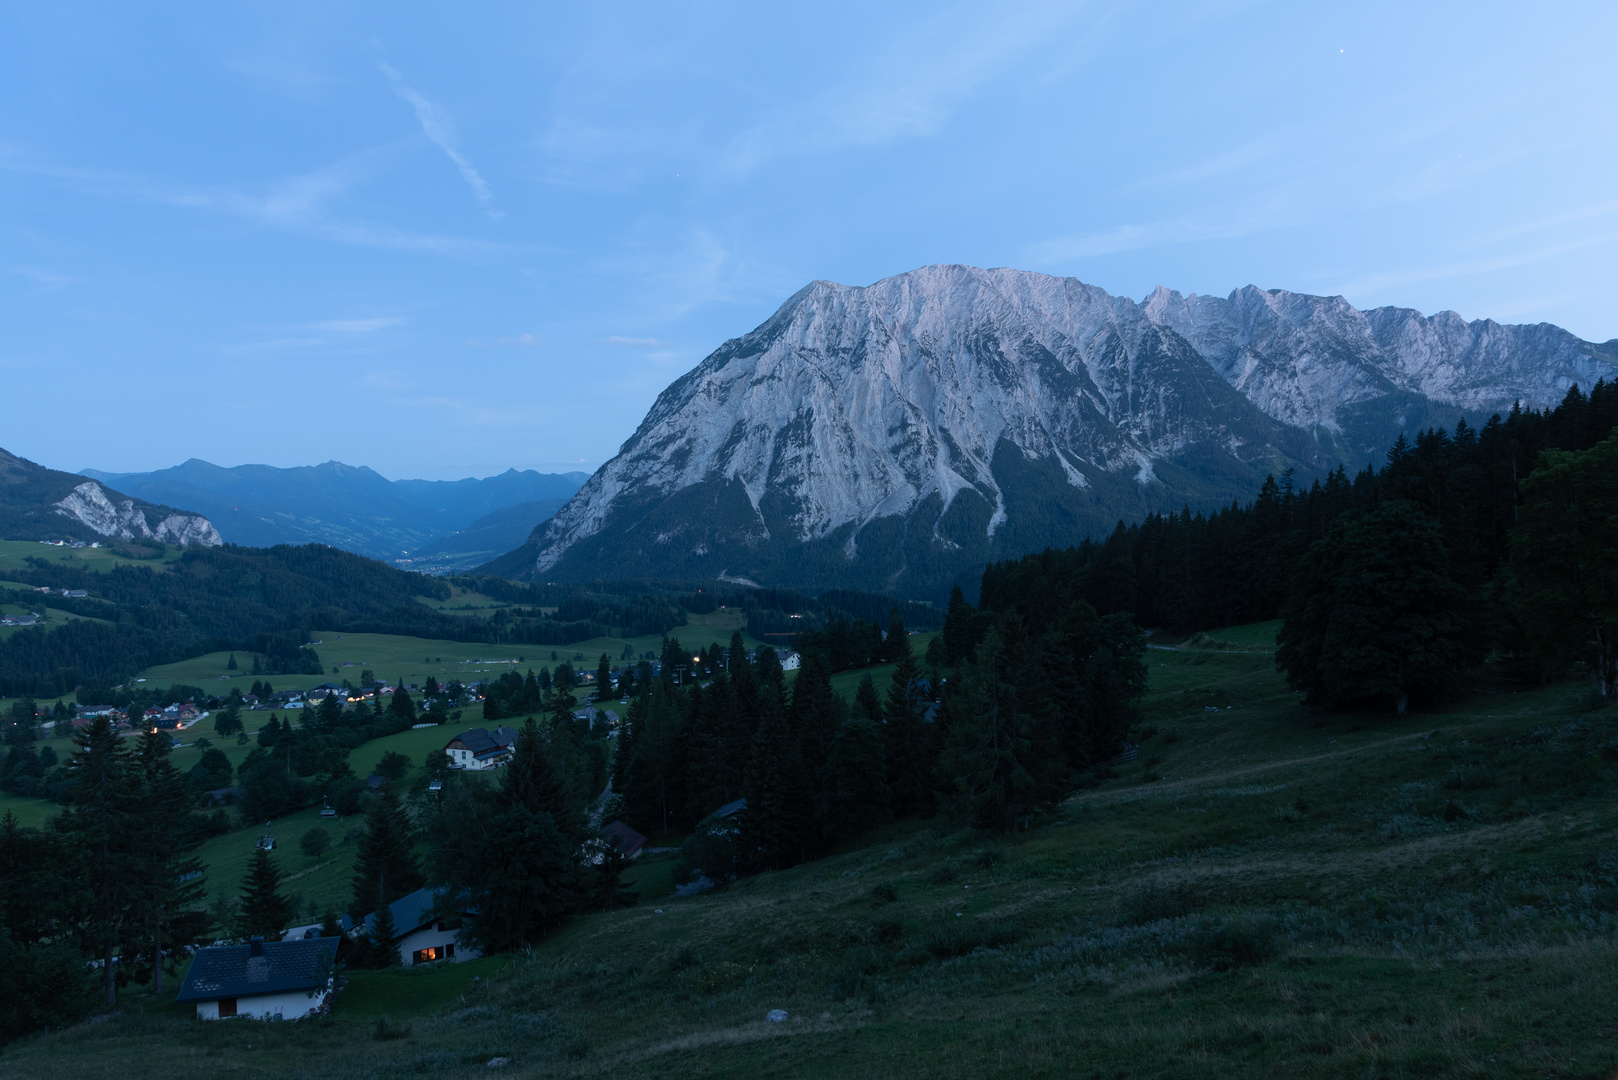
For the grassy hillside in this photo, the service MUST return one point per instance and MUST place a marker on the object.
(1265, 892)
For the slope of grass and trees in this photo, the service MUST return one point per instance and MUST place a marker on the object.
(1369, 835)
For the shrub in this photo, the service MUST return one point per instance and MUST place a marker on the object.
(1155, 901)
(956, 936)
(1469, 778)
(315, 842)
(988, 858)
(943, 873)
(384, 1032)
(1238, 941)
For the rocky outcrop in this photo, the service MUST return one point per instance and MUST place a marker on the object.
(89, 504)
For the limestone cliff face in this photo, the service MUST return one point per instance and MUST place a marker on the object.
(89, 505)
(905, 431)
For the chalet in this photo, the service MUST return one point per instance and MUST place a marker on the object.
(481, 749)
(790, 661)
(421, 936)
(626, 841)
(263, 980)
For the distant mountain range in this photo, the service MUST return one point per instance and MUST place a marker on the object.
(435, 525)
(896, 437)
(37, 503)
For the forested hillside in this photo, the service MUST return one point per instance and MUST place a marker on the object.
(1443, 540)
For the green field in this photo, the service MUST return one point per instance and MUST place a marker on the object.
(393, 657)
(14, 553)
(1265, 892)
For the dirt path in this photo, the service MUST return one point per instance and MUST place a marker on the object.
(1154, 790)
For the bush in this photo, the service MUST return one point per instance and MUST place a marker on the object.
(1469, 778)
(315, 842)
(1238, 941)
(943, 873)
(1155, 901)
(956, 936)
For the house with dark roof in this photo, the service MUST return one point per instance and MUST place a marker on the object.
(263, 980)
(626, 841)
(480, 749)
(421, 936)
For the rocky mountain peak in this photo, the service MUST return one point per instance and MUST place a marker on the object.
(905, 430)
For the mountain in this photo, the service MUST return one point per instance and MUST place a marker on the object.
(37, 503)
(349, 507)
(895, 437)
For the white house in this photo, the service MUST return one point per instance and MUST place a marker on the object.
(790, 661)
(421, 937)
(480, 749)
(263, 980)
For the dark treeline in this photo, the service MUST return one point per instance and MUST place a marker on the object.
(1419, 565)
(994, 733)
(112, 879)
(778, 616)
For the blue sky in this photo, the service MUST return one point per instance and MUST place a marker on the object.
(443, 240)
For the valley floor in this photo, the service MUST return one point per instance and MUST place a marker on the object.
(1263, 892)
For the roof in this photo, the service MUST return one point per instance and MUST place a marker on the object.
(730, 809)
(480, 741)
(263, 967)
(626, 840)
(410, 913)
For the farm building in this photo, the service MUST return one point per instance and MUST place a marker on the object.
(420, 936)
(263, 980)
(481, 749)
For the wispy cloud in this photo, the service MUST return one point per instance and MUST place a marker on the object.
(358, 326)
(300, 203)
(1570, 217)
(440, 132)
(344, 334)
(48, 278)
(521, 341)
(638, 342)
(1374, 283)
(1181, 230)
(908, 90)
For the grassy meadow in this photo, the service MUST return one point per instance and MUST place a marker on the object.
(393, 657)
(1265, 891)
(14, 555)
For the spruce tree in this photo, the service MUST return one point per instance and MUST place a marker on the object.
(912, 747)
(166, 886)
(854, 793)
(385, 868)
(331, 712)
(503, 848)
(1376, 613)
(401, 705)
(604, 678)
(816, 710)
(100, 775)
(1564, 557)
(867, 706)
(1002, 757)
(264, 912)
(383, 951)
(778, 824)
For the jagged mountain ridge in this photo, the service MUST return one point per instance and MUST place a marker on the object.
(898, 435)
(37, 503)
